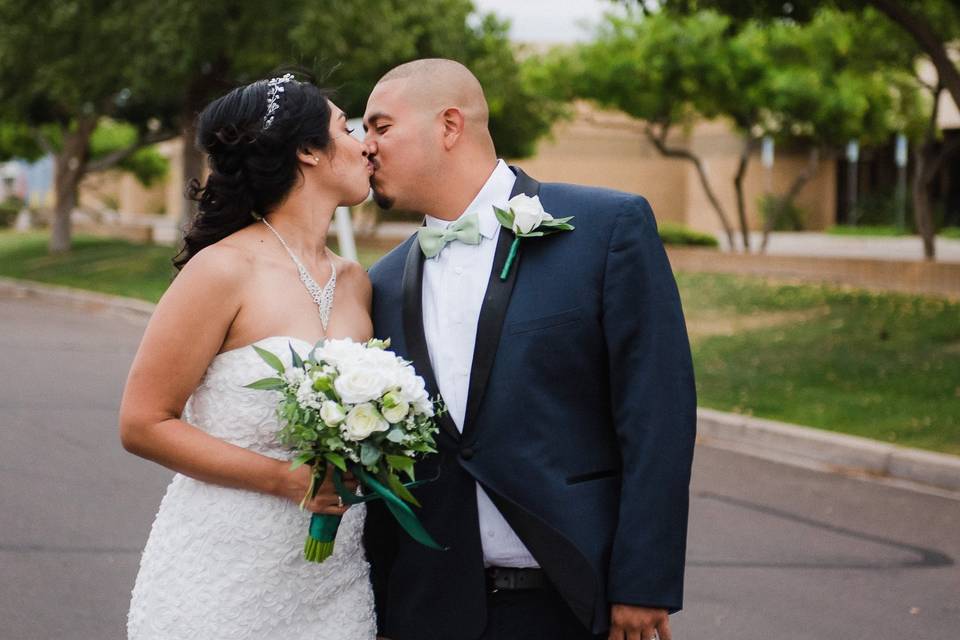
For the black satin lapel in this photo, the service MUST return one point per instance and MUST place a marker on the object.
(494, 309)
(524, 184)
(413, 328)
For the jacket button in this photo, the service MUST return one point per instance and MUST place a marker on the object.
(466, 453)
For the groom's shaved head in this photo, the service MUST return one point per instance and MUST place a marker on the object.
(436, 83)
(428, 137)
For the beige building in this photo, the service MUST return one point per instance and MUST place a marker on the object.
(594, 147)
(610, 149)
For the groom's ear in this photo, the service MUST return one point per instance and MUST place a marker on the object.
(452, 119)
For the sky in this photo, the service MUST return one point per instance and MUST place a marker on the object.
(547, 21)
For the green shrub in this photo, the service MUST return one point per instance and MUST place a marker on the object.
(880, 209)
(9, 209)
(787, 216)
(675, 234)
(949, 232)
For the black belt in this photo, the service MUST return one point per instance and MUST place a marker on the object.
(511, 579)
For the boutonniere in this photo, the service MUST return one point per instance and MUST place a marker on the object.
(527, 219)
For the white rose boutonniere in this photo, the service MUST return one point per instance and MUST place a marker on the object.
(526, 218)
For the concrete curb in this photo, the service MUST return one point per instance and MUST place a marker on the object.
(115, 305)
(839, 452)
(785, 443)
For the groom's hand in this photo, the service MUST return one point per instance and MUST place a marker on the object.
(638, 623)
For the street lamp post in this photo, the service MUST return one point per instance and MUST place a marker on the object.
(900, 157)
(853, 156)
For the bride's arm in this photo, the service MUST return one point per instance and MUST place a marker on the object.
(184, 334)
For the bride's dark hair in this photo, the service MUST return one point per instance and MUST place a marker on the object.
(252, 166)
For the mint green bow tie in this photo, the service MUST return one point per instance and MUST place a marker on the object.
(466, 230)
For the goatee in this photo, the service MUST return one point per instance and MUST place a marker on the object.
(383, 201)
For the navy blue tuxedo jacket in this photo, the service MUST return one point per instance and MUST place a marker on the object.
(580, 423)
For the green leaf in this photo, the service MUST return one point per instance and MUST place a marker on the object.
(295, 357)
(504, 217)
(402, 492)
(267, 384)
(369, 454)
(557, 221)
(336, 460)
(270, 359)
(395, 435)
(532, 234)
(301, 460)
(402, 463)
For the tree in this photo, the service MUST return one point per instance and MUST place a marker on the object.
(59, 78)
(837, 78)
(932, 24)
(358, 43)
(203, 48)
(156, 65)
(920, 28)
(200, 49)
(663, 70)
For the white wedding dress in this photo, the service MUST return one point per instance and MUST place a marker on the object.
(225, 563)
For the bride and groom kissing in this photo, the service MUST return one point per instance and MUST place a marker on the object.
(561, 481)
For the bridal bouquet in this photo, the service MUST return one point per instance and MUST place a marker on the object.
(361, 409)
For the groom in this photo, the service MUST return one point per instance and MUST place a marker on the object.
(565, 457)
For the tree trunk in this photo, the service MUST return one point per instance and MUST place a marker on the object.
(197, 94)
(921, 201)
(930, 43)
(659, 141)
(192, 168)
(70, 167)
(738, 184)
(927, 164)
(813, 165)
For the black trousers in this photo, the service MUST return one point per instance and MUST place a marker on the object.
(532, 614)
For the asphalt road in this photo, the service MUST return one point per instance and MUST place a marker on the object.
(775, 552)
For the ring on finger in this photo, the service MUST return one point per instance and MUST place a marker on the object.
(340, 502)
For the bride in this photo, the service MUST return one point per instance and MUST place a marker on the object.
(225, 555)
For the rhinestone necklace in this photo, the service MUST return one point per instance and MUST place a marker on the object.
(323, 296)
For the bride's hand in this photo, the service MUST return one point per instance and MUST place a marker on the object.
(326, 501)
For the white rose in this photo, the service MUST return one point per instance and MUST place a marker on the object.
(363, 420)
(397, 413)
(360, 384)
(332, 413)
(424, 407)
(528, 213)
(340, 351)
(412, 387)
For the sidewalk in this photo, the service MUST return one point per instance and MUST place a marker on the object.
(814, 244)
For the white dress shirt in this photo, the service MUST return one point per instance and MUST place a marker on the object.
(454, 284)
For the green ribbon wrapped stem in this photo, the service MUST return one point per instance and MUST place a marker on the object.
(323, 532)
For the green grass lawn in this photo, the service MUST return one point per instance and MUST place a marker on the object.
(108, 266)
(868, 230)
(884, 366)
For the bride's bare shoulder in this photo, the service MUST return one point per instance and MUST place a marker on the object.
(352, 274)
(224, 263)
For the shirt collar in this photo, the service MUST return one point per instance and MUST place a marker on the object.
(495, 192)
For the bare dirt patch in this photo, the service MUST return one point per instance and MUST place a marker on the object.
(718, 324)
